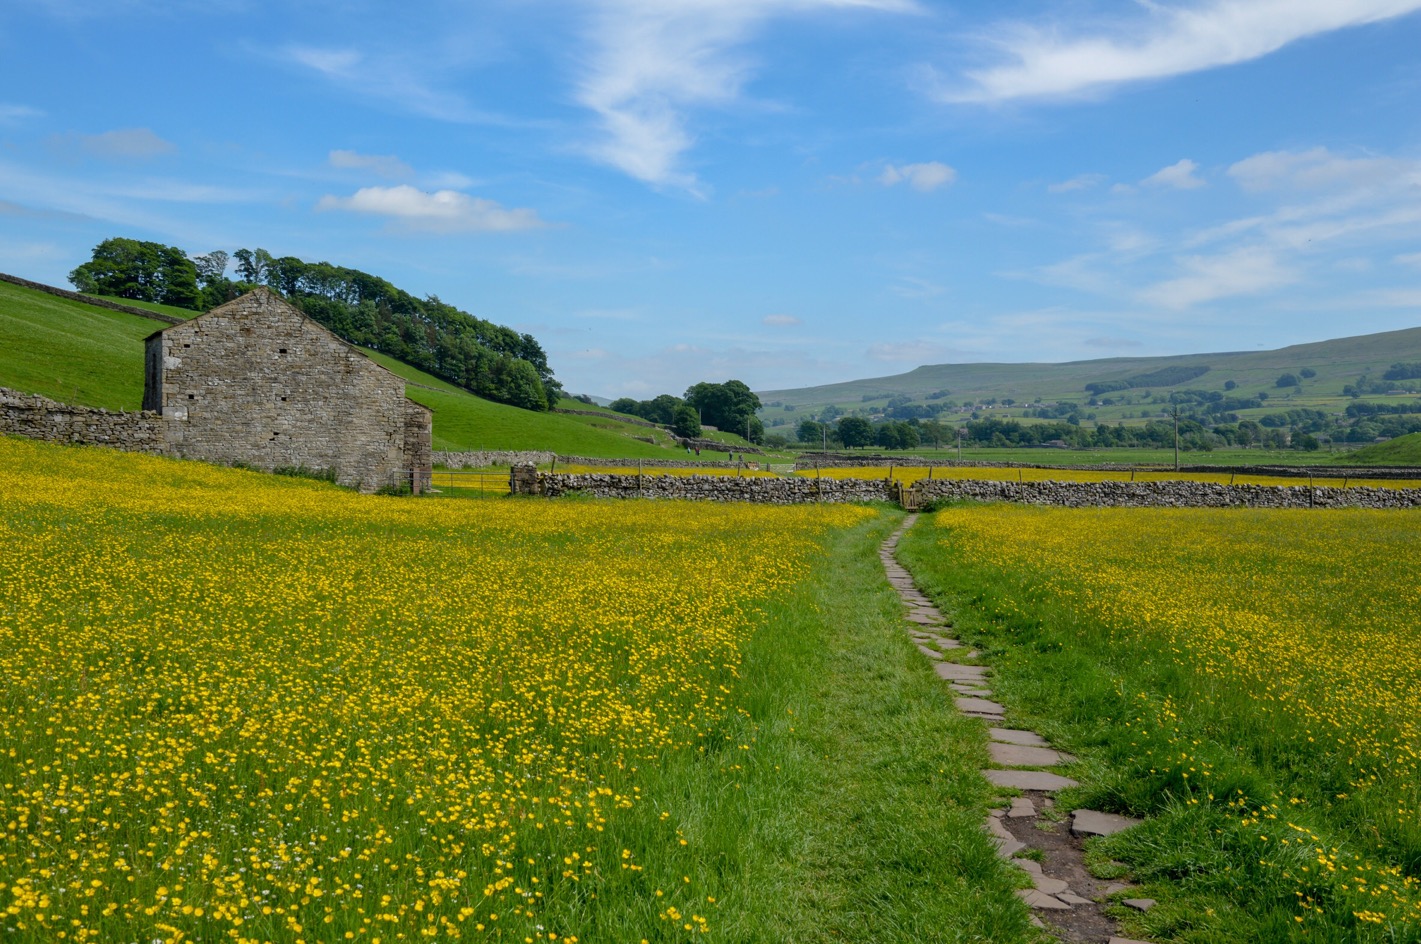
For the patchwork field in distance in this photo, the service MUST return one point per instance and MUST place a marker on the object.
(908, 474)
(1251, 679)
(253, 708)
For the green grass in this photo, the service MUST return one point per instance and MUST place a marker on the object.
(69, 351)
(1400, 452)
(413, 697)
(183, 313)
(1258, 694)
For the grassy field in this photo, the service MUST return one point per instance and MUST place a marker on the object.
(1401, 451)
(268, 709)
(171, 310)
(1249, 680)
(70, 351)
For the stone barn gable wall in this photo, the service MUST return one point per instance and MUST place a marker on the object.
(257, 382)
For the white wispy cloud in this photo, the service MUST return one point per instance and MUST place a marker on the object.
(916, 352)
(1153, 41)
(397, 78)
(442, 211)
(923, 177)
(1078, 182)
(10, 114)
(781, 321)
(120, 144)
(652, 62)
(1409, 259)
(1248, 270)
(383, 165)
(1179, 175)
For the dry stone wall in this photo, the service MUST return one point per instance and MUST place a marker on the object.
(37, 417)
(802, 489)
(772, 491)
(1169, 494)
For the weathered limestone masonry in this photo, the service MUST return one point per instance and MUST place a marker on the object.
(1169, 494)
(36, 417)
(255, 381)
(772, 491)
(784, 491)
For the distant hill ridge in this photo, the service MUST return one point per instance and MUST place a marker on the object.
(1333, 365)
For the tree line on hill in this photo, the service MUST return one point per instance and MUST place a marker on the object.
(728, 406)
(484, 358)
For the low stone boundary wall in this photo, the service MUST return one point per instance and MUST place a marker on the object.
(614, 417)
(1169, 494)
(801, 489)
(772, 491)
(91, 300)
(481, 458)
(37, 417)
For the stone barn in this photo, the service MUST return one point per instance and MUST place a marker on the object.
(257, 382)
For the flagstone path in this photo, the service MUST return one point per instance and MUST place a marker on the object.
(1068, 900)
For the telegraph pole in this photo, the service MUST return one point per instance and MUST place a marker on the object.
(1176, 437)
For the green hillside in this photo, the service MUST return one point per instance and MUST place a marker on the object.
(1396, 453)
(71, 352)
(1335, 364)
(91, 356)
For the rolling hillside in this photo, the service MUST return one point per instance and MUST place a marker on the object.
(1336, 363)
(82, 354)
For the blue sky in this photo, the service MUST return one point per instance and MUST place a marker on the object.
(787, 192)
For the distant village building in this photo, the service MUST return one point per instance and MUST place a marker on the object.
(257, 382)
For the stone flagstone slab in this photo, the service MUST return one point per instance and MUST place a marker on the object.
(957, 672)
(923, 618)
(930, 653)
(1013, 736)
(1021, 807)
(979, 705)
(1019, 755)
(1029, 780)
(1092, 823)
(1042, 901)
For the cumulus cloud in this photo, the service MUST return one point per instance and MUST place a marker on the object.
(440, 211)
(782, 321)
(383, 165)
(1179, 175)
(1154, 41)
(924, 177)
(652, 62)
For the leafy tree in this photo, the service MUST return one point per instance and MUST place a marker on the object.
(1230, 384)
(212, 267)
(1286, 380)
(1307, 373)
(855, 431)
(685, 422)
(146, 271)
(810, 432)
(728, 406)
(252, 266)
